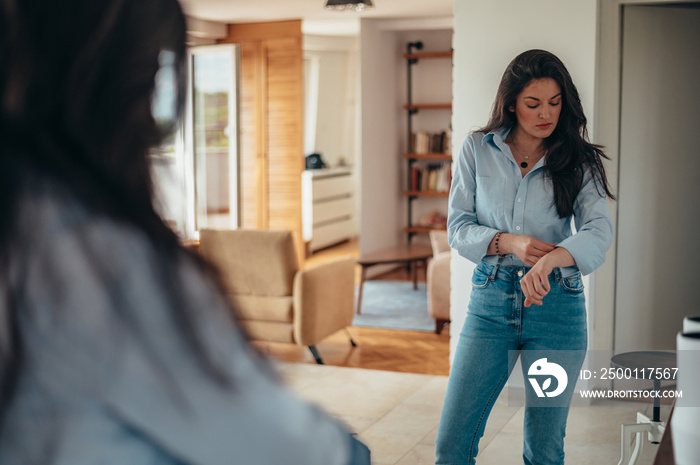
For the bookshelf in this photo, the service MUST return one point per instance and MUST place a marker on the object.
(428, 193)
(428, 106)
(419, 55)
(418, 229)
(428, 158)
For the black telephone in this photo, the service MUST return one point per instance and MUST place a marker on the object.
(315, 162)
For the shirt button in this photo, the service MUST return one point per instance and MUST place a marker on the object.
(517, 228)
(520, 199)
(520, 273)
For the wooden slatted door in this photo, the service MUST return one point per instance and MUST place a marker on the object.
(271, 125)
(253, 178)
(285, 131)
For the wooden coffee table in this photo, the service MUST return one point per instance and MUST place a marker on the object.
(409, 254)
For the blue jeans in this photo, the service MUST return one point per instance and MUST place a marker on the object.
(497, 329)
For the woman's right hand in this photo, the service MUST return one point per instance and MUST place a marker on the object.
(527, 248)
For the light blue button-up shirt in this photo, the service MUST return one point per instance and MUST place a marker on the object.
(489, 194)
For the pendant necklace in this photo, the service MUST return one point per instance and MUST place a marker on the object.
(524, 164)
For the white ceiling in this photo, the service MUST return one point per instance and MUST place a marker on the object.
(240, 11)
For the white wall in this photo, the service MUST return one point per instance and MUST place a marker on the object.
(488, 35)
(334, 124)
(334, 134)
(381, 201)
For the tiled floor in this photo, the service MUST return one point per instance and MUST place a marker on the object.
(396, 415)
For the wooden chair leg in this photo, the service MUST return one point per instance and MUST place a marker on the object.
(352, 342)
(363, 275)
(414, 272)
(440, 324)
(314, 352)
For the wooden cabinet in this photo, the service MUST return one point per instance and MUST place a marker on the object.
(328, 206)
(428, 157)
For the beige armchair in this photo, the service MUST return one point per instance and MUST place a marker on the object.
(438, 280)
(275, 300)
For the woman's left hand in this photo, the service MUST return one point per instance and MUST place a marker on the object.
(535, 284)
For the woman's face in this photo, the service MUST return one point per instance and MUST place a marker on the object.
(537, 108)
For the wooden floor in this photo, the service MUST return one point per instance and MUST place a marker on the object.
(378, 348)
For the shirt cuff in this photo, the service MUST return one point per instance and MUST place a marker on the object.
(586, 259)
(473, 244)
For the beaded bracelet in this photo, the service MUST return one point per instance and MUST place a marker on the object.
(498, 237)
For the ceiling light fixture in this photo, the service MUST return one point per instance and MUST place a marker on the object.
(347, 5)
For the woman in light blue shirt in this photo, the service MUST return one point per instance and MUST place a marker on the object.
(518, 184)
(117, 345)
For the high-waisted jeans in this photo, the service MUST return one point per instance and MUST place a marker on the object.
(498, 327)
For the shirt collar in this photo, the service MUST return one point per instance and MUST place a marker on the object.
(498, 136)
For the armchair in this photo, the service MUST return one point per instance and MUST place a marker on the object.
(438, 280)
(274, 299)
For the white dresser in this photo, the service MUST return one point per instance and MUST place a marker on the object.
(328, 206)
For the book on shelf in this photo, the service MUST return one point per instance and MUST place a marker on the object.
(434, 220)
(427, 142)
(433, 177)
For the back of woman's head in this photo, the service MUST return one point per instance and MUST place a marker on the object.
(77, 82)
(528, 66)
(75, 92)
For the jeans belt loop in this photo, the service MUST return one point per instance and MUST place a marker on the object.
(492, 276)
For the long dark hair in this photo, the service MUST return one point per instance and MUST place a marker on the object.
(77, 81)
(568, 151)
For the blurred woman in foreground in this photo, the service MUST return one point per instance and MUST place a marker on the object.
(116, 344)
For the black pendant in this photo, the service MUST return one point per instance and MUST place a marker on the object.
(524, 164)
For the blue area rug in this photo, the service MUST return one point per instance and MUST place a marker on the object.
(395, 305)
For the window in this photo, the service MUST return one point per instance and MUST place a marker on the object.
(196, 173)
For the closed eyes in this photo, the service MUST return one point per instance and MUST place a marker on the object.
(553, 104)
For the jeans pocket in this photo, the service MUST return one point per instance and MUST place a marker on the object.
(573, 284)
(480, 279)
